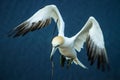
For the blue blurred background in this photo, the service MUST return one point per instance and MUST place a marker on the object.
(27, 58)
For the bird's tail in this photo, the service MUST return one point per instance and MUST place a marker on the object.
(77, 62)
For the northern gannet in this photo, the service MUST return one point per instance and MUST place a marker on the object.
(91, 34)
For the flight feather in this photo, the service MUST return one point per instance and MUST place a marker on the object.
(39, 20)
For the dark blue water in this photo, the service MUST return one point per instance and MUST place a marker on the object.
(27, 58)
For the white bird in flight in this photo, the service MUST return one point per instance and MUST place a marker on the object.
(90, 34)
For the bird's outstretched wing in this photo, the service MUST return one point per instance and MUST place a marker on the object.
(39, 20)
(91, 34)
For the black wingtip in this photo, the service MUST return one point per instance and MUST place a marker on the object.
(11, 34)
(18, 31)
(102, 64)
(98, 54)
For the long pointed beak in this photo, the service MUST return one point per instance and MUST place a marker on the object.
(52, 52)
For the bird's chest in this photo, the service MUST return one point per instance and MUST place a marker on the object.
(67, 48)
(67, 51)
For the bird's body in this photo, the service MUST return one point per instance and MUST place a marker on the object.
(66, 48)
(91, 33)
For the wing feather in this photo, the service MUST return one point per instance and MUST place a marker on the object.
(39, 20)
(91, 34)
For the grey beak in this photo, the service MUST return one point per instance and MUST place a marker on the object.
(52, 52)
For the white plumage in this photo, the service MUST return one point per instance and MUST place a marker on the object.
(90, 33)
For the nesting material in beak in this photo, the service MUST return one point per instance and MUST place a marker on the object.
(51, 58)
(52, 52)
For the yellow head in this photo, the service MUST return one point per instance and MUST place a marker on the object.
(57, 41)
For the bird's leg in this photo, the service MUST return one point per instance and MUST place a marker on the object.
(62, 60)
(69, 61)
